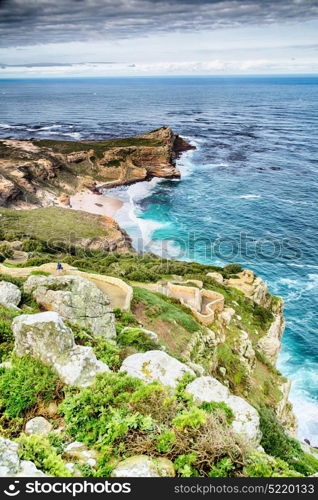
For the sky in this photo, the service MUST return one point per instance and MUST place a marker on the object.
(66, 38)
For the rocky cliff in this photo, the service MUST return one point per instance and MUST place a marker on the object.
(39, 173)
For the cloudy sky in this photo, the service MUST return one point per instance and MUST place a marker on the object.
(43, 38)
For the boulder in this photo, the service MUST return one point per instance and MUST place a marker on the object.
(216, 276)
(246, 419)
(38, 425)
(76, 299)
(79, 366)
(155, 366)
(10, 463)
(79, 452)
(10, 295)
(208, 389)
(45, 337)
(143, 466)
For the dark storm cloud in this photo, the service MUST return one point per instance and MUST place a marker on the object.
(43, 21)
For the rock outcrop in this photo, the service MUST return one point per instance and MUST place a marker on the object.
(252, 286)
(45, 337)
(270, 344)
(40, 171)
(155, 366)
(246, 419)
(10, 295)
(76, 299)
(143, 466)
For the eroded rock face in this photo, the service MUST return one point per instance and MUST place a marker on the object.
(155, 366)
(143, 466)
(270, 343)
(10, 463)
(10, 295)
(246, 419)
(45, 337)
(76, 299)
(38, 425)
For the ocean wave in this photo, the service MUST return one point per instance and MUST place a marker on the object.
(302, 376)
(249, 196)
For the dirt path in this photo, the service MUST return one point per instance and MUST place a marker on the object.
(119, 293)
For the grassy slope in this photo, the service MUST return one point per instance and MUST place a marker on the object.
(48, 223)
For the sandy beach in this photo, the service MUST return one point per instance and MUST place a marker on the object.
(95, 204)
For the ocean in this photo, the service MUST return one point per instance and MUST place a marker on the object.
(248, 193)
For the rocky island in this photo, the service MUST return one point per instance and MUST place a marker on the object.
(123, 364)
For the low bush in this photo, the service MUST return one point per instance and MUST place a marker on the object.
(104, 350)
(261, 465)
(277, 443)
(137, 338)
(24, 386)
(39, 450)
(233, 268)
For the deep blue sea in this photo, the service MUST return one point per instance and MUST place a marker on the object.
(248, 193)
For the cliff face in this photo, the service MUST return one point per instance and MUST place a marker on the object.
(45, 172)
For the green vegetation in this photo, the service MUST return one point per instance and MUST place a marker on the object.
(136, 337)
(66, 147)
(277, 443)
(6, 335)
(122, 416)
(39, 450)
(104, 350)
(26, 385)
(54, 228)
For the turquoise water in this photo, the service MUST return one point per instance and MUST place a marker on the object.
(248, 193)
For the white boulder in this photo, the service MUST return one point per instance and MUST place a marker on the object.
(10, 295)
(246, 419)
(76, 299)
(45, 337)
(38, 425)
(143, 466)
(153, 366)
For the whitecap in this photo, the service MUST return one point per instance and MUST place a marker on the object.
(249, 196)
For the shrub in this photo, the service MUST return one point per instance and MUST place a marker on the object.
(6, 335)
(137, 338)
(39, 450)
(261, 465)
(165, 441)
(184, 465)
(25, 385)
(233, 268)
(192, 418)
(6, 252)
(262, 315)
(39, 273)
(214, 406)
(222, 468)
(99, 414)
(104, 350)
(277, 443)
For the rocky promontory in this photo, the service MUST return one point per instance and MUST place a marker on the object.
(40, 173)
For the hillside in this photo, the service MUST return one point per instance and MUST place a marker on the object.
(149, 388)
